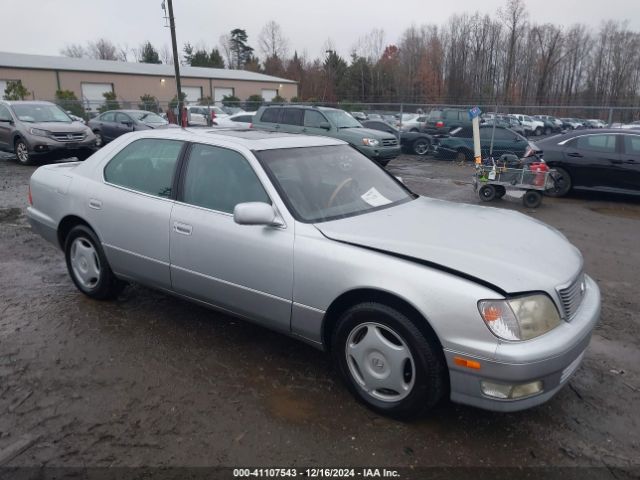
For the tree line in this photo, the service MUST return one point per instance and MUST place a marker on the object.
(470, 59)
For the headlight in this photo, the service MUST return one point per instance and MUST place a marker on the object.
(520, 318)
(370, 142)
(39, 132)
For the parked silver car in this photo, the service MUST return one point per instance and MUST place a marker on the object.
(29, 129)
(415, 298)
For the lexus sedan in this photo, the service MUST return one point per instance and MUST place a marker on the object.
(605, 160)
(307, 236)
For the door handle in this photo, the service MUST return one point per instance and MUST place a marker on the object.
(575, 155)
(615, 162)
(182, 228)
(95, 203)
(630, 161)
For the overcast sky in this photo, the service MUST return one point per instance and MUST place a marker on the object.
(46, 26)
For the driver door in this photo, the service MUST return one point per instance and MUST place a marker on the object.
(124, 124)
(245, 269)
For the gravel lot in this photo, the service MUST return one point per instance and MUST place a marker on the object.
(153, 380)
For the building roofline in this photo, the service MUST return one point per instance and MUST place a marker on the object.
(68, 64)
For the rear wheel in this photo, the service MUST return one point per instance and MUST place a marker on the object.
(88, 266)
(387, 362)
(462, 155)
(22, 152)
(501, 191)
(561, 183)
(532, 199)
(538, 131)
(421, 146)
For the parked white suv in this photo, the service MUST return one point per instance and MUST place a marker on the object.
(531, 125)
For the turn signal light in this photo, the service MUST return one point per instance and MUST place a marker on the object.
(463, 362)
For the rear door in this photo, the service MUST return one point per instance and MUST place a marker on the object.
(593, 160)
(124, 124)
(630, 163)
(291, 120)
(131, 209)
(108, 125)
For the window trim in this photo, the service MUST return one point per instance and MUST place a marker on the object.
(176, 170)
(183, 175)
(624, 144)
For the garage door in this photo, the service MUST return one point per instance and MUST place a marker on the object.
(268, 94)
(220, 93)
(92, 94)
(193, 94)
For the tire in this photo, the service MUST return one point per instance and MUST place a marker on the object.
(548, 131)
(538, 131)
(562, 183)
(487, 193)
(463, 155)
(22, 152)
(99, 139)
(532, 199)
(501, 191)
(421, 146)
(389, 342)
(87, 265)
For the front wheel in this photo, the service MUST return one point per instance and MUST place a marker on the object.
(387, 362)
(421, 146)
(487, 193)
(88, 266)
(22, 152)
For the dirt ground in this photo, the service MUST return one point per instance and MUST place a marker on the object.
(153, 380)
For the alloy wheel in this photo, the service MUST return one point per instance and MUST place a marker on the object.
(22, 152)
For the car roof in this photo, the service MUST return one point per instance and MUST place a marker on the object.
(27, 102)
(248, 138)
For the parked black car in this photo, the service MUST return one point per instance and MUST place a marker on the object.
(410, 142)
(113, 123)
(606, 160)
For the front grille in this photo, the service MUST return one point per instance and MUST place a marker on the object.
(68, 137)
(571, 295)
(389, 142)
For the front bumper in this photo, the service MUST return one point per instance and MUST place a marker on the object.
(551, 358)
(44, 145)
(380, 153)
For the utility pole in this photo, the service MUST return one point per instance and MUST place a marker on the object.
(176, 59)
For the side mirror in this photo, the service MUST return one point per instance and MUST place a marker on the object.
(128, 123)
(325, 125)
(255, 213)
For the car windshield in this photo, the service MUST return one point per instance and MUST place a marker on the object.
(324, 183)
(342, 119)
(40, 113)
(147, 117)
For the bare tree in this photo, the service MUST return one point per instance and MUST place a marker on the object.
(272, 42)
(102, 49)
(514, 16)
(166, 55)
(74, 50)
(225, 48)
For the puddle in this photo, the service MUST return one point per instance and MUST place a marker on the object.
(290, 406)
(622, 212)
(8, 215)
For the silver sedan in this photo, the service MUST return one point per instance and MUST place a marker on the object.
(415, 299)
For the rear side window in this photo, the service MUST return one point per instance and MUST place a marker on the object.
(292, 116)
(597, 143)
(271, 115)
(219, 179)
(146, 165)
(451, 115)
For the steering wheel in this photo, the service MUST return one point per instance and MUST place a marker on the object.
(338, 189)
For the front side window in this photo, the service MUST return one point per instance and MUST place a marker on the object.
(219, 179)
(108, 117)
(598, 143)
(146, 165)
(122, 118)
(632, 144)
(342, 119)
(324, 183)
(313, 119)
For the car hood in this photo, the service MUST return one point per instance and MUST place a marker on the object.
(503, 248)
(58, 127)
(366, 133)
